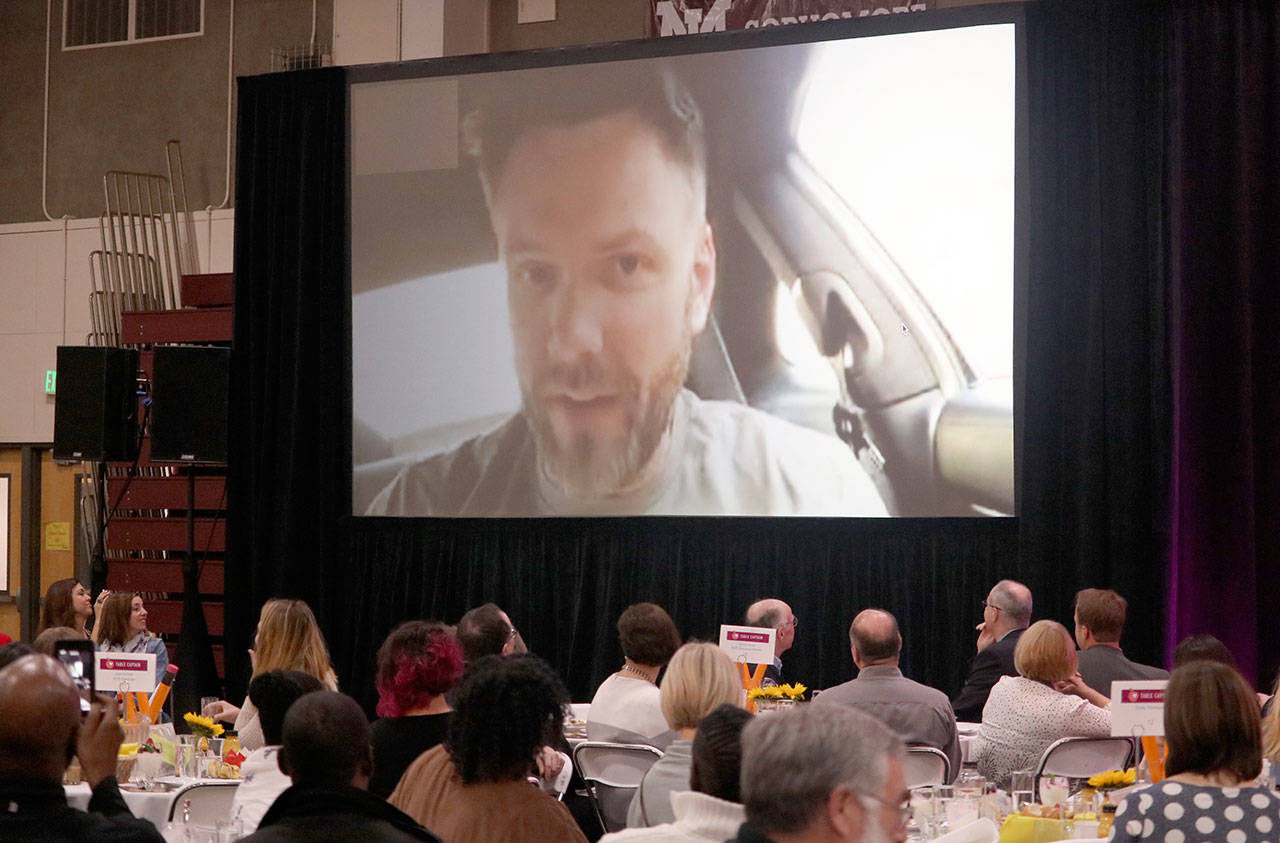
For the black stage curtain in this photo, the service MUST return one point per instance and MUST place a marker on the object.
(1224, 203)
(1092, 490)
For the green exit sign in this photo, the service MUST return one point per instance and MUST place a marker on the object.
(50, 382)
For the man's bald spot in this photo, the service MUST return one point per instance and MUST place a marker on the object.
(874, 634)
(770, 612)
(1014, 599)
(39, 717)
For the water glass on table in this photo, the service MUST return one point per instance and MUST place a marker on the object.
(1022, 789)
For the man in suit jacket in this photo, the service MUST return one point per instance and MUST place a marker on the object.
(1099, 616)
(1005, 614)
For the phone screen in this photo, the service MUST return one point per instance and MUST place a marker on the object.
(79, 663)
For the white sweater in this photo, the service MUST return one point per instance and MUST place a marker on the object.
(699, 818)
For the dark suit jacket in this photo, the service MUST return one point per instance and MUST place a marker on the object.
(1102, 665)
(986, 669)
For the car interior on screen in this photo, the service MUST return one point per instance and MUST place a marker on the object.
(861, 194)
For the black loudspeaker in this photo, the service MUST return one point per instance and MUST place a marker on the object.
(95, 414)
(190, 385)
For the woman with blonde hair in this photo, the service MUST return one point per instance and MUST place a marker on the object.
(1046, 701)
(699, 679)
(288, 638)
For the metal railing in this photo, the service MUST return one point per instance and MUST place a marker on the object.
(148, 241)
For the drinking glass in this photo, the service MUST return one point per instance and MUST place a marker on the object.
(1022, 788)
(1054, 790)
(205, 702)
(924, 811)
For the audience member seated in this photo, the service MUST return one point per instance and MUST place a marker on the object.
(47, 641)
(772, 613)
(699, 679)
(122, 628)
(271, 693)
(288, 638)
(487, 631)
(1005, 614)
(418, 663)
(1099, 617)
(325, 751)
(11, 651)
(625, 708)
(918, 713)
(1211, 730)
(1196, 648)
(474, 788)
(711, 809)
(40, 732)
(821, 774)
(1047, 700)
(67, 603)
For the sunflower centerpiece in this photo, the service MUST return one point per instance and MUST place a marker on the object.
(776, 697)
(204, 728)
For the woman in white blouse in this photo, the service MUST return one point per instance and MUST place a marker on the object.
(1047, 700)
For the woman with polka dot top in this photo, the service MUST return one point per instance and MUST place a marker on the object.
(1212, 728)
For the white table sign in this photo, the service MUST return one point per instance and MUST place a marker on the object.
(115, 672)
(1137, 708)
(749, 644)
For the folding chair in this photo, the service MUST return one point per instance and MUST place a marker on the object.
(612, 772)
(926, 765)
(1079, 758)
(203, 803)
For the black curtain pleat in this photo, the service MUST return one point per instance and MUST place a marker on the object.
(1093, 421)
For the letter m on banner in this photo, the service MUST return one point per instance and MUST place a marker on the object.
(673, 21)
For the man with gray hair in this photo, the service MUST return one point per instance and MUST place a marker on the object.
(822, 773)
(772, 613)
(918, 713)
(1006, 612)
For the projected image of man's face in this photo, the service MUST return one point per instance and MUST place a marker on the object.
(610, 267)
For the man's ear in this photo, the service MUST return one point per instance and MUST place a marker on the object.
(703, 281)
(845, 813)
(282, 761)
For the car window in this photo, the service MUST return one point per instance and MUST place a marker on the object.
(915, 132)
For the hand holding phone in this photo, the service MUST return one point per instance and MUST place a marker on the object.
(76, 654)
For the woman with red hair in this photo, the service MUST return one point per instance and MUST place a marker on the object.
(417, 665)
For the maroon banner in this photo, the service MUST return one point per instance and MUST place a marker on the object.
(688, 17)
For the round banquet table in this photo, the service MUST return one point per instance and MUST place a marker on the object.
(153, 806)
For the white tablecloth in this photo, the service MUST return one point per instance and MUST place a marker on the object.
(152, 806)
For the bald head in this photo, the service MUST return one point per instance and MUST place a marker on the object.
(772, 613)
(874, 638)
(39, 719)
(1014, 600)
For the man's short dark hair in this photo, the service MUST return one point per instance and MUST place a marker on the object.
(1202, 647)
(273, 692)
(483, 632)
(717, 753)
(14, 650)
(570, 95)
(647, 634)
(871, 646)
(1103, 612)
(507, 707)
(325, 740)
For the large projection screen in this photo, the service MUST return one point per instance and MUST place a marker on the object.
(753, 278)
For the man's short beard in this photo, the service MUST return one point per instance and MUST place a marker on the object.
(584, 468)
